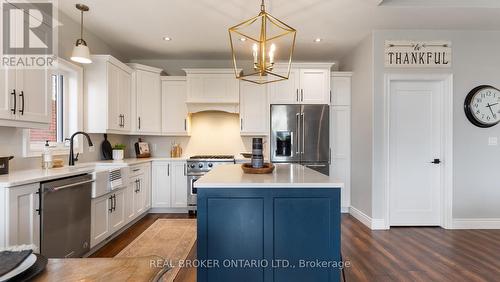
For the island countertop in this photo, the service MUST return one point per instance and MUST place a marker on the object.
(283, 176)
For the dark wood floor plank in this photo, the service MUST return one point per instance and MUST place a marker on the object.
(400, 254)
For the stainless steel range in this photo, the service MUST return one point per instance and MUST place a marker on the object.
(197, 166)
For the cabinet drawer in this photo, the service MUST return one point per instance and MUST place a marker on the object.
(138, 170)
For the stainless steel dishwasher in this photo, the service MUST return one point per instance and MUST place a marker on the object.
(65, 217)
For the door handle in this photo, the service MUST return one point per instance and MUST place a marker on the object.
(139, 123)
(241, 124)
(303, 133)
(185, 125)
(13, 110)
(302, 95)
(298, 130)
(111, 203)
(436, 161)
(21, 111)
(114, 202)
(168, 170)
(297, 92)
(185, 169)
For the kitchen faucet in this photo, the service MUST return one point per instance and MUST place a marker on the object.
(72, 158)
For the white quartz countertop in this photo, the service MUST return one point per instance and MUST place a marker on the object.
(22, 177)
(283, 176)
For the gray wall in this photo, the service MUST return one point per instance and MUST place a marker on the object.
(11, 139)
(476, 61)
(361, 63)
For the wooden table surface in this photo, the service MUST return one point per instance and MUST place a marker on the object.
(101, 269)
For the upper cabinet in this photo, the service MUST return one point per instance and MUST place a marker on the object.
(147, 92)
(341, 88)
(107, 88)
(254, 109)
(217, 88)
(175, 116)
(25, 98)
(307, 84)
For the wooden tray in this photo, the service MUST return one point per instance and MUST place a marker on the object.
(145, 155)
(268, 168)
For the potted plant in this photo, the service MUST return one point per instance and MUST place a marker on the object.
(119, 151)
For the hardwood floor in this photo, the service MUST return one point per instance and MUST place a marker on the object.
(399, 254)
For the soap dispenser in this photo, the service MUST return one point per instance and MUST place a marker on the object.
(47, 156)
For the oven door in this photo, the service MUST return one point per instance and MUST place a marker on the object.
(191, 189)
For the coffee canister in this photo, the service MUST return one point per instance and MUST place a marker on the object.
(257, 153)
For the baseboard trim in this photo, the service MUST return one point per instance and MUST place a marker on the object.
(372, 223)
(476, 223)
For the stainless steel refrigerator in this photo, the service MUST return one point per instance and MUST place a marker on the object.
(301, 134)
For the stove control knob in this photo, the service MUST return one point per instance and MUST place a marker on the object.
(210, 165)
(192, 165)
(200, 165)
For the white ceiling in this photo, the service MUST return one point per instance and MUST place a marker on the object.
(199, 27)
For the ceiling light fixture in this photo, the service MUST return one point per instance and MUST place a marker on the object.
(81, 52)
(317, 40)
(166, 38)
(243, 39)
(271, 40)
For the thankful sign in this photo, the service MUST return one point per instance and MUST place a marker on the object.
(417, 54)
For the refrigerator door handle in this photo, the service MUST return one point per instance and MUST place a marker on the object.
(303, 133)
(297, 116)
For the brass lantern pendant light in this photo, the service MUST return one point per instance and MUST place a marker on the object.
(257, 44)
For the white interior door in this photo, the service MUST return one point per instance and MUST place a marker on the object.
(415, 131)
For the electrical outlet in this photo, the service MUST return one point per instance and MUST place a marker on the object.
(91, 148)
(154, 147)
(493, 141)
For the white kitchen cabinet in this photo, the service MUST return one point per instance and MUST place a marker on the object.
(314, 86)
(117, 217)
(20, 217)
(141, 185)
(147, 92)
(175, 116)
(254, 109)
(162, 185)
(179, 184)
(341, 88)
(100, 227)
(212, 86)
(108, 215)
(25, 98)
(107, 92)
(169, 184)
(307, 84)
(129, 200)
(285, 91)
(340, 130)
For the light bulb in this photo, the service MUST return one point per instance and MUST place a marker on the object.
(255, 49)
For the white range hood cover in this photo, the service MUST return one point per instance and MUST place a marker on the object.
(232, 108)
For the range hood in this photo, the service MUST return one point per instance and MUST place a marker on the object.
(196, 107)
(212, 90)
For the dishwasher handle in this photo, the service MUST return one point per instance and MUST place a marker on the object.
(55, 189)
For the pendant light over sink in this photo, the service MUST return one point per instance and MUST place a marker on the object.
(257, 44)
(81, 52)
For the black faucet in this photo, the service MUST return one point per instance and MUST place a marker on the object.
(72, 158)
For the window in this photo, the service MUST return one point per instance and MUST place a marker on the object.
(66, 111)
(55, 132)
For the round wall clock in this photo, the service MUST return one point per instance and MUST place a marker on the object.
(482, 106)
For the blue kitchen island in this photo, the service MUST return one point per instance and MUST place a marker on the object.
(283, 226)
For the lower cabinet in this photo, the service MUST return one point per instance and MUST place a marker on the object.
(20, 218)
(169, 185)
(114, 210)
(107, 215)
